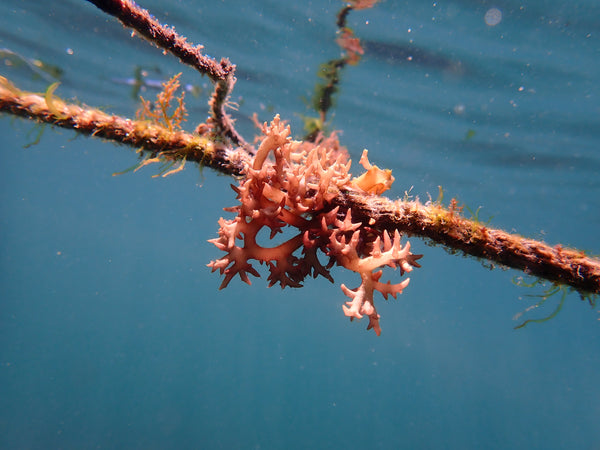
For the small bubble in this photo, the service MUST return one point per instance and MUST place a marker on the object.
(69, 51)
(493, 17)
(459, 109)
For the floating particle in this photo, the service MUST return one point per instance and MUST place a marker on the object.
(492, 17)
(459, 109)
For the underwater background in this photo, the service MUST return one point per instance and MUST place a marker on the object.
(113, 333)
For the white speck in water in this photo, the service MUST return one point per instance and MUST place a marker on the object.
(493, 17)
(459, 109)
(69, 51)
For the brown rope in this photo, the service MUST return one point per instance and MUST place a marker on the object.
(145, 135)
(432, 221)
(133, 16)
(445, 226)
(221, 73)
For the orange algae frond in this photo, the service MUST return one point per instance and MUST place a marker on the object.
(276, 135)
(290, 186)
(351, 45)
(384, 252)
(362, 4)
(277, 194)
(375, 180)
(161, 111)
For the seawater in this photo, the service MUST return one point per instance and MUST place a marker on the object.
(113, 333)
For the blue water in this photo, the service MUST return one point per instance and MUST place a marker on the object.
(113, 333)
